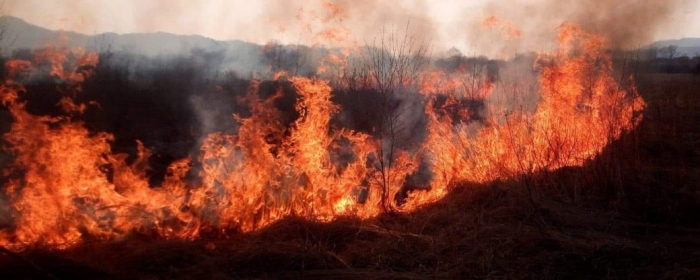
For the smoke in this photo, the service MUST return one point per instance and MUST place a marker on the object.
(307, 22)
(448, 23)
(345, 23)
(624, 24)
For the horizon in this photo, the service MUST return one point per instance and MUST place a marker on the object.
(648, 44)
(446, 24)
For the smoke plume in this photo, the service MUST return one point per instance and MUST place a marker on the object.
(624, 24)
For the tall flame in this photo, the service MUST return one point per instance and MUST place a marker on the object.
(582, 109)
(66, 185)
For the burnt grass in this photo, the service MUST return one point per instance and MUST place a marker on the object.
(631, 213)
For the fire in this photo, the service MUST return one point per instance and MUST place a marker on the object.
(582, 109)
(509, 31)
(66, 185)
(333, 12)
(63, 192)
(462, 84)
(250, 182)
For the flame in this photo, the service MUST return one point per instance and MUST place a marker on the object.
(334, 12)
(334, 34)
(66, 185)
(582, 109)
(461, 84)
(64, 193)
(509, 31)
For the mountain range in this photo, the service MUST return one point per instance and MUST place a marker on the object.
(20, 34)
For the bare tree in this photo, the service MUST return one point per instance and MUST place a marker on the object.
(388, 67)
(474, 81)
(669, 51)
(672, 51)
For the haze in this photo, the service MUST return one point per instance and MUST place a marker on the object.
(447, 23)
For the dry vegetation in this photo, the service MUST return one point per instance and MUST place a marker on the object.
(631, 213)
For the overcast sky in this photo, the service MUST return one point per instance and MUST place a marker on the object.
(260, 21)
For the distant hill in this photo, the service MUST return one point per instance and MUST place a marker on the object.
(238, 55)
(686, 46)
(21, 34)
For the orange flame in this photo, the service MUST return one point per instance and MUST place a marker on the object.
(509, 31)
(65, 184)
(582, 110)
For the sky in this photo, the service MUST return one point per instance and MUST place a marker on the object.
(446, 23)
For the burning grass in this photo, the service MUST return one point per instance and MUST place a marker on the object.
(478, 231)
(565, 188)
